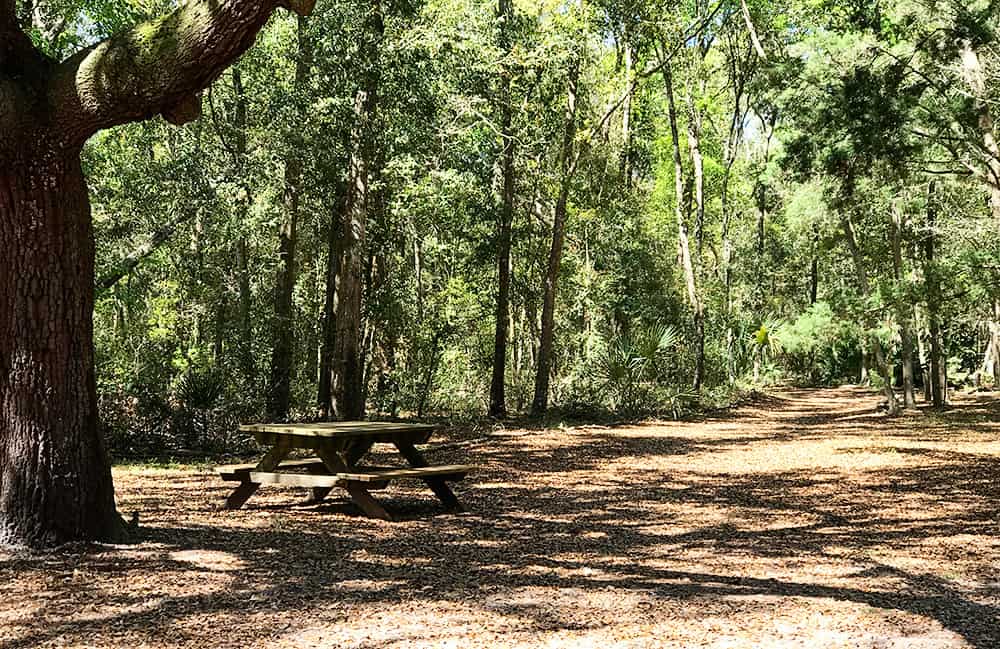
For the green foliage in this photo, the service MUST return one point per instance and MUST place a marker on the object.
(819, 347)
(855, 109)
(631, 361)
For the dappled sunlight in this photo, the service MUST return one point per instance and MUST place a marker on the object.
(750, 532)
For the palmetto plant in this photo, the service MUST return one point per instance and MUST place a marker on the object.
(765, 342)
(630, 359)
(198, 391)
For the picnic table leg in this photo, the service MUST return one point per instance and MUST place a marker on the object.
(247, 488)
(437, 485)
(318, 493)
(359, 494)
(363, 499)
(357, 450)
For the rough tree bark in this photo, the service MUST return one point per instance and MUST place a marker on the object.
(55, 477)
(498, 400)
(282, 359)
(568, 162)
(348, 369)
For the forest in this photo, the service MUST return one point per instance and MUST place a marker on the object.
(735, 264)
(462, 209)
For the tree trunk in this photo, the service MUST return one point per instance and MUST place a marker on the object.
(975, 77)
(625, 161)
(682, 236)
(282, 353)
(348, 372)
(698, 167)
(324, 397)
(814, 267)
(925, 373)
(540, 402)
(55, 478)
(932, 290)
(903, 310)
(498, 401)
(881, 364)
(245, 351)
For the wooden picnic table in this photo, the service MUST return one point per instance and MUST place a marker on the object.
(338, 448)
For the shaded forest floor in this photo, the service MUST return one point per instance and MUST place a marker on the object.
(804, 520)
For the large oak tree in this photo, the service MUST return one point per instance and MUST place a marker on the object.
(55, 477)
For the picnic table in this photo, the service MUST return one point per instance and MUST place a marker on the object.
(338, 448)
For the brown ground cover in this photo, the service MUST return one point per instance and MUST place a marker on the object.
(804, 520)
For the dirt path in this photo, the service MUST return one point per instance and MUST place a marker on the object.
(806, 520)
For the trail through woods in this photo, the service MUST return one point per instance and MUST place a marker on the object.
(806, 519)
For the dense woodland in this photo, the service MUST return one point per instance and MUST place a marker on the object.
(460, 208)
(464, 208)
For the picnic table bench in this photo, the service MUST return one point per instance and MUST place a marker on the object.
(338, 448)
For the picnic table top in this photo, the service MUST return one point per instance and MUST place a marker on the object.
(339, 428)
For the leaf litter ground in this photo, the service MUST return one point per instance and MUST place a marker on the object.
(806, 519)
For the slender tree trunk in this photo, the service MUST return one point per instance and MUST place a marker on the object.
(282, 354)
(123, 268)
(418, 272)
(737, 78)
(760, 188)
(814, 267)
(881, 364)
(903, 310)
(324, 397)
(932, 289)
(976, 79)
(922, 354)
(498, 400)
(348, 401)
(540, 402)
(698, 167)
(992, 356)
(428, 383)
(625, 161)
(754, 38)
(246, 354)
(682, 235)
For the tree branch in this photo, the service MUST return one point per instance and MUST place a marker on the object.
(158, 67)
(132, 260)
(754, 38)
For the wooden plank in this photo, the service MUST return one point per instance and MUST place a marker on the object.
(249, 487)
(437, 484)
(364, 500)
(295, 479)
(235, 471)
(340, 428)
(241, 494)
(318, 493)
(444, 472)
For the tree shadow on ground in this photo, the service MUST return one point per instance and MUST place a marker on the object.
(603, 531)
